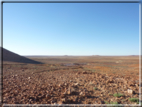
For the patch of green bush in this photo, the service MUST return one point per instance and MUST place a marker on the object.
(134, 100)
(117, 95)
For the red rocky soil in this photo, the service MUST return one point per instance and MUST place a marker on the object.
(58, 84)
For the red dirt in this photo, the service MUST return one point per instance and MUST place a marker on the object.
(52, 83)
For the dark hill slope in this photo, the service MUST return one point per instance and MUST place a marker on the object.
(13, 57)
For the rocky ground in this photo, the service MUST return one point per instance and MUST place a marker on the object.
(60, 84)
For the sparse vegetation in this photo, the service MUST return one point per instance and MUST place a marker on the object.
(95, 88)
(113, 102)
(87, 69)
(106, 102)
(117, 95)
(110, 94)
(134, 100)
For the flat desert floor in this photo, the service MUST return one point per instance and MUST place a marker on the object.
(72, 80)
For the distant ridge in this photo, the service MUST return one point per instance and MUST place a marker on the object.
(13, 57)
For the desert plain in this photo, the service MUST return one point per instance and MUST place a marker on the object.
(72, 80)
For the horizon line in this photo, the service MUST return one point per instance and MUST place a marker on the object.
(80, 55)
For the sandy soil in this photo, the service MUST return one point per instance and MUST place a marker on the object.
(72, 80)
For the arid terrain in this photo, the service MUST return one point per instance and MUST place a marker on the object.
(72, 80)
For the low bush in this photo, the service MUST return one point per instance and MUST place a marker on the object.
(117, 95)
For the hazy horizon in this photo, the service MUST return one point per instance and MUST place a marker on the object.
(75, 55)
(76, 29)
(65, 55)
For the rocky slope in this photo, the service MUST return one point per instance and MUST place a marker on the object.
(37, 84)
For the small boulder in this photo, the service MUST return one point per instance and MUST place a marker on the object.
(110, 81)
(71, 91)
(84, 72)
(60, 102)
(48, 96)
(63, 95)
(83, 94)
(130, 91)
(63, 99)
(76, 84)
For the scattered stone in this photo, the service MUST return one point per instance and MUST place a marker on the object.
(63, 99)
(63, 95)
(48, 96)
(84, 72)
(60, 102)
(71, 88)
(81, 93)
(76, 84)
(77, 73)
(110, 81)
(137, 85)
(130, 91)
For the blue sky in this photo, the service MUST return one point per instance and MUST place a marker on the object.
(71, 28)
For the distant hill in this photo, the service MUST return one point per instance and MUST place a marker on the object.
(95, 55)
(133, 55)
(13, 57)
